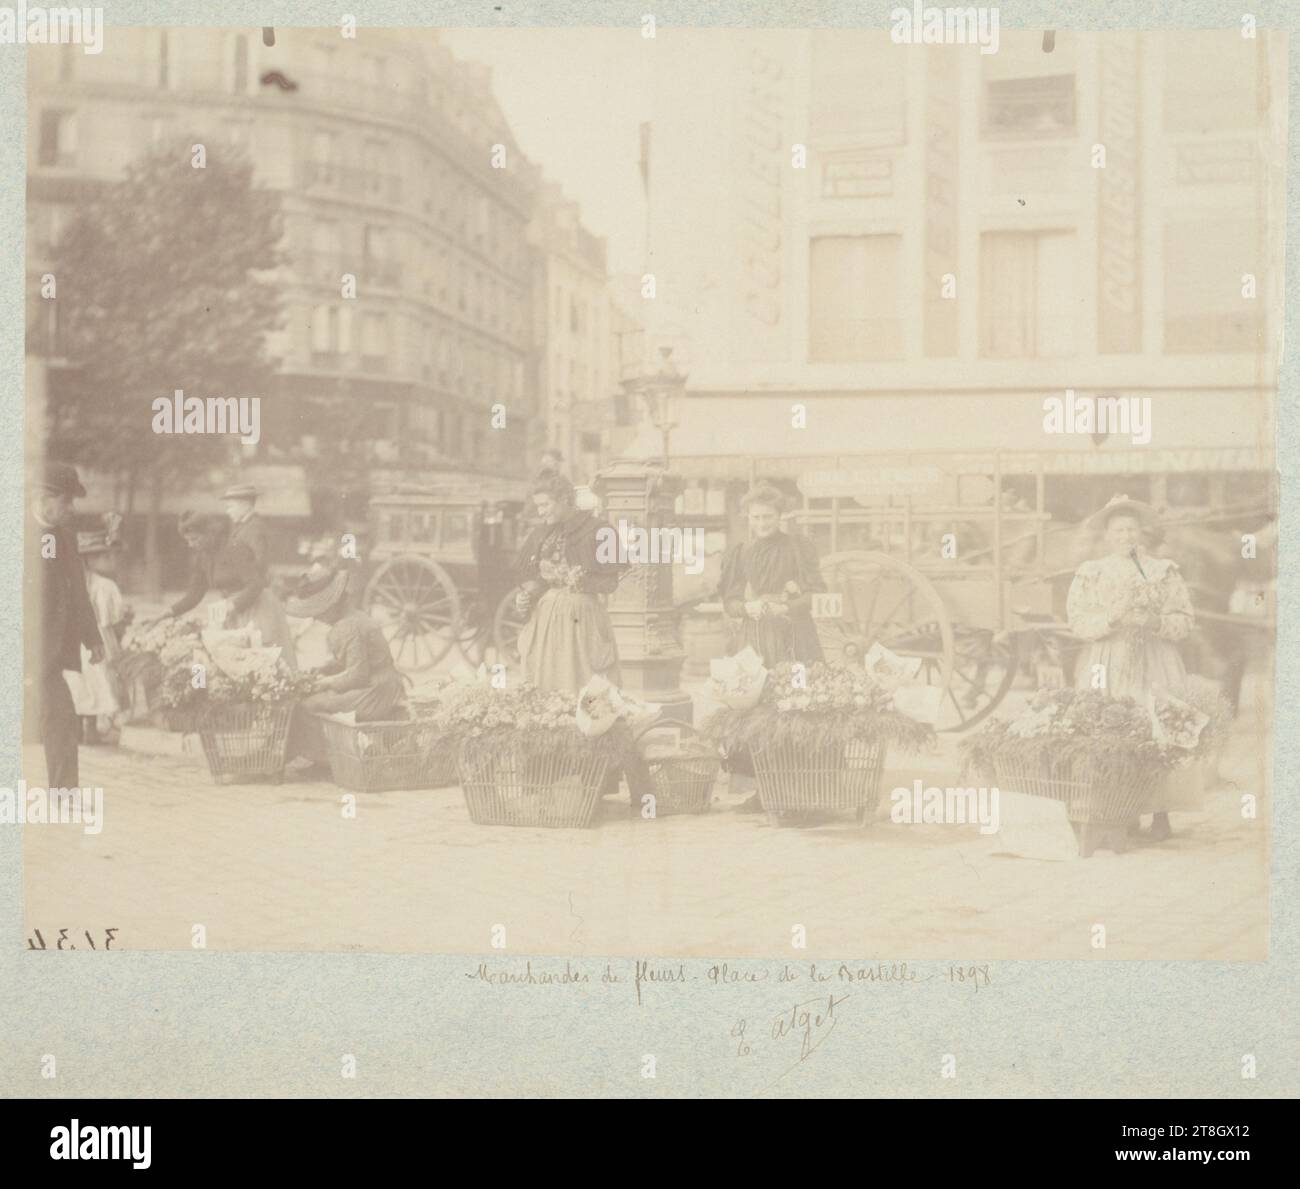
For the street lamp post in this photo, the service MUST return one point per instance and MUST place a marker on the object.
(641, 494)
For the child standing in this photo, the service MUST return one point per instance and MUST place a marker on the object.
(95, 696)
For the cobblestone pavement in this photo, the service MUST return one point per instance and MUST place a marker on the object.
(265, 867)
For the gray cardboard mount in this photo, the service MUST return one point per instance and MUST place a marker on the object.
(254, 1024)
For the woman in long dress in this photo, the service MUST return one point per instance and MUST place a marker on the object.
(231, 570)
(568, 638)
(1132, 608)
(767, 585)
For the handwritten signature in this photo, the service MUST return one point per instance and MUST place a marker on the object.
(811, 1020)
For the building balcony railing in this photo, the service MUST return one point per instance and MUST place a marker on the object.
(347, 361)
(349, 182)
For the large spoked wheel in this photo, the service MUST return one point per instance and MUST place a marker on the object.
(506, 626)
(415, 603)
(982, 674)
(886, 601)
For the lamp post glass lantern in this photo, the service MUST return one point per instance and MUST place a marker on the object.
(661, 391)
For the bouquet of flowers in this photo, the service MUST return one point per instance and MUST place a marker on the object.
(737, 681)
(1146, 602)
(560, 573)
(819, 704)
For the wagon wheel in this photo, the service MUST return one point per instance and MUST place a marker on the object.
(415, 603)
(506, 626)
(878, 599)
(982, 674)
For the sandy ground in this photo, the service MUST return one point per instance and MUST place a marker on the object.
(282, 868)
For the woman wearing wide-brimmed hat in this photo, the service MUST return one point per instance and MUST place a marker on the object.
(1132, 608)
(360, 677)
(228, 567)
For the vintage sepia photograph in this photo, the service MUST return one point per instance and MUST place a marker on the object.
(738, 493)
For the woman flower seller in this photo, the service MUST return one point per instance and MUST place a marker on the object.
(359, 679)
(1132, 608)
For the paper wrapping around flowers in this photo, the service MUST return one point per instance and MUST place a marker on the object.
(1195, 721)
(238, 652)
(737, 681)
(898, 675)
(601, 704)
(888, 669)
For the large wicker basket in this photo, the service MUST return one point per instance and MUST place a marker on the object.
(680, 782)
(245, 741)
(373, 757)
(554, 786)
(1091, 797)
(795, 780)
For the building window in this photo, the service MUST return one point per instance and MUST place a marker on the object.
(58, 139)
(854, 299)
(376, 166)
(1029, 108)
(1205, 261)
(331, 334)
(374, 343)
(1029, 95)
(1029, 298)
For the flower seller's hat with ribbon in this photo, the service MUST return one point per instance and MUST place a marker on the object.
(1119, 505)
(316, 594)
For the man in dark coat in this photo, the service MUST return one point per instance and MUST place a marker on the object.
(240, 503)
(58, 618)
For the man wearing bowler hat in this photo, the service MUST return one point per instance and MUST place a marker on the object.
(58, 618)
(240, 504)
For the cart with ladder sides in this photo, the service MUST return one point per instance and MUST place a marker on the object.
(439, 569)
(943, 556)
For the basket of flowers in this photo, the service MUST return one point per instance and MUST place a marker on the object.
(819, 735)
(1103, 758)
(522, 759)
(240, 700)
(155, 668)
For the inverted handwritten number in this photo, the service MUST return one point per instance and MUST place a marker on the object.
(109, 934)
(39, 938)
(90, 939)
(63, 936)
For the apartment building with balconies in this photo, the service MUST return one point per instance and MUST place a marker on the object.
(405, 200)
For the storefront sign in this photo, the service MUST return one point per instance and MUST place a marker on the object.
(878, 481)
